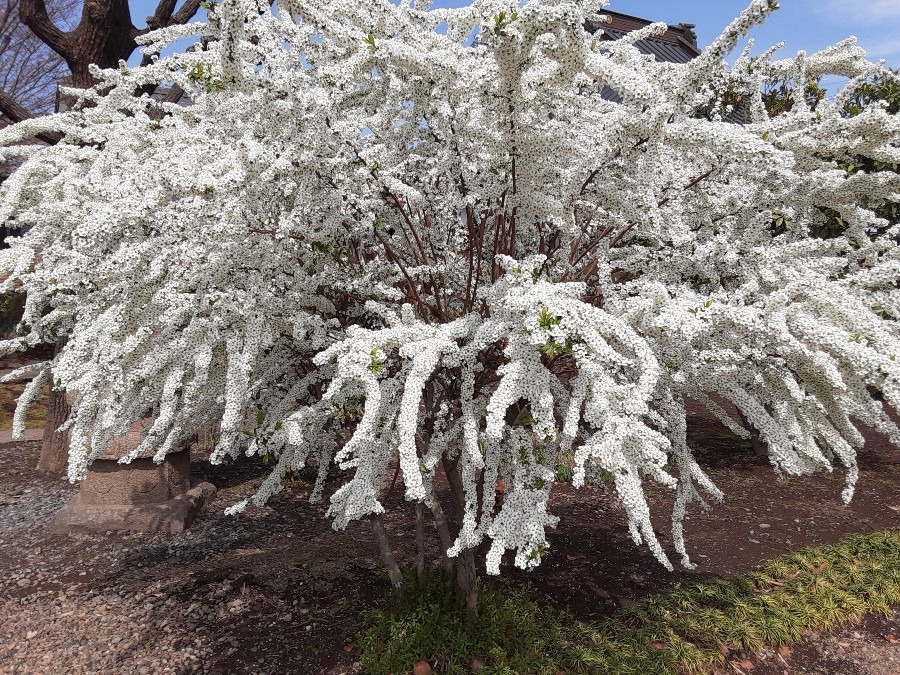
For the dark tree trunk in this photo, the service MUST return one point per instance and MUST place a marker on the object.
(440, 522)
(55, 448)
(466, 573)
(387, 553)
(420, 542)
(760, 449)
(104, 36)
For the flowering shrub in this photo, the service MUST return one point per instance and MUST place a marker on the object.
(393, 243)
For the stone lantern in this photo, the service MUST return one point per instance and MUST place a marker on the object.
(140, 496)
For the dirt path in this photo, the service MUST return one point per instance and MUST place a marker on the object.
(277, 591)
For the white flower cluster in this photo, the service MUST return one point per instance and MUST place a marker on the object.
(365, 239)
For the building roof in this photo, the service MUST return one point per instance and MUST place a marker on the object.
(677, 45)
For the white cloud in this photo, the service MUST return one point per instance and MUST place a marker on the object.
(888, 48)
(862, 11)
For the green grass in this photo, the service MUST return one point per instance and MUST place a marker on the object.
(685, 629)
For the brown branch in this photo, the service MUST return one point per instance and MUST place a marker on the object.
(470, 227)
(443, 529)
(387, 555)
(410, 224)
(394, 258)
(615, 240)
(591, 176)
(174, 95)
(481, 228)
(703, 176)
(33, 14)
(162, 15)
(12, 110)
(593, 244)
(186, 13)
(415, 233)
(495, 268)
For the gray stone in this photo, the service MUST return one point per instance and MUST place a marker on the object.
(140, 496)
(170, 517)
(142, 481)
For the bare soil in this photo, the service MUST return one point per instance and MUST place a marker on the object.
(277, 591)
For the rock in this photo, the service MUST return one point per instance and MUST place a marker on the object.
(422, 668)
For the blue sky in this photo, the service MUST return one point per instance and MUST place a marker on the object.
(809, 25)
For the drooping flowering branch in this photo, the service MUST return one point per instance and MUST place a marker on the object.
(391, 243)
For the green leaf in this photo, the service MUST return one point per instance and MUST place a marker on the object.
(547, 321)
(375, 365)
(370, 43)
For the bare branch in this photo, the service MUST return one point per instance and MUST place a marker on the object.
(12, 110)
(186, 13)
(163, 14)
(33, 14)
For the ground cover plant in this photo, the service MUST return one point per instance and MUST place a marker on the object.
(684, 630)
(382, 242)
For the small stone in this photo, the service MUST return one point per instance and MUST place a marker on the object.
(287, 618)
(30, 635)
(764, 525)
(422, 668)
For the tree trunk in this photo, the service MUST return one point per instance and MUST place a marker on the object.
(466, 573)
(104, 36)
(440, 522)
(760, 449)
(55, 449)
(467, 579)
(387, 554)
(420, 542)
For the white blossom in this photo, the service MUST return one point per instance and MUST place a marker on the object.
(366, 239)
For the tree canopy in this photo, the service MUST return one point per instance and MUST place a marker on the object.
(367, 238)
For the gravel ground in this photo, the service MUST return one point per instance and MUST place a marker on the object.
(53, 619)
(277, 591)
(130, 603)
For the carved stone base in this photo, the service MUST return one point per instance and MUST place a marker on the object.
(169, 517)
(141, 481)
(141, 496)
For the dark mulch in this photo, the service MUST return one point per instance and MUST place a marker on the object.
(301, 587)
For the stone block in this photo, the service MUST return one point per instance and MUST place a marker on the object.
(142, 481)
(168, 517)
(141, 495)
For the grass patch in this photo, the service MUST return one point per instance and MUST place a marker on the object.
(36, 416)
(685, 629)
